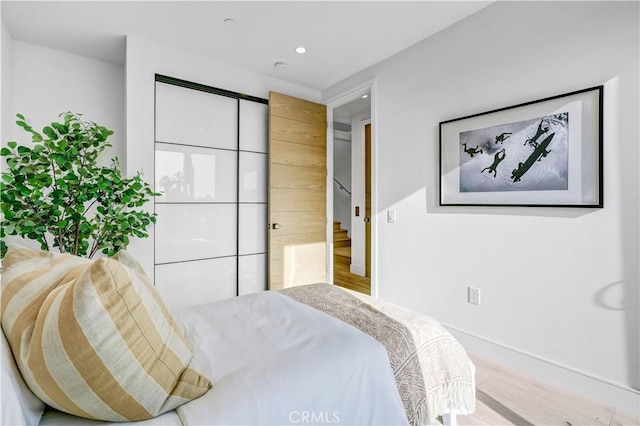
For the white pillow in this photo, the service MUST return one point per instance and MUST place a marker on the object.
(19, 405)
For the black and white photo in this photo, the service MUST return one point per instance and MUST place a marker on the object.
(528, 155)
(543, 153)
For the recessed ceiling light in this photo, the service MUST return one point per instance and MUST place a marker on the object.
(280, 65)
(229, 21)
(365, 96)
(300, 50)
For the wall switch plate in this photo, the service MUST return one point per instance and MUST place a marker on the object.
(391, 216)
(473, 295)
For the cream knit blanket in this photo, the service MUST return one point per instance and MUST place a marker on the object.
(432, 370)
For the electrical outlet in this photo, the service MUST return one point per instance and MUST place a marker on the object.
(473, 295)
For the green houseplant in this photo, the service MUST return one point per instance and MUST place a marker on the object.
(56, 193)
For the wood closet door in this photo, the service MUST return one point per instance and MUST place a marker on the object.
(297, 192)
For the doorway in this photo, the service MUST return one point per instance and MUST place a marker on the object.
(350, 140)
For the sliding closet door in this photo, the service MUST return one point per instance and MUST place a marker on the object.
(210, 165)
(253, 188)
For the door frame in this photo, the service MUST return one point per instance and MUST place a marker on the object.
(332, 103)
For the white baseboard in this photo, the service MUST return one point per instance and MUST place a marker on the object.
(622, 397)
(357, 270)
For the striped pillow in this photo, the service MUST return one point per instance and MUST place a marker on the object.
(93, 338)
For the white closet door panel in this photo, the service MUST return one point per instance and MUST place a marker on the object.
(253, 229)
(254, 126)
(253, 177)
(211, 166)
(192, 117)
(252, 274)
(186, 284)
(195, 231)
(185, 173)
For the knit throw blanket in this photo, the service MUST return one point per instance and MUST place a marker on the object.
(432, 370)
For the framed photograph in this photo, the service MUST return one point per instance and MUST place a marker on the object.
(545, 153)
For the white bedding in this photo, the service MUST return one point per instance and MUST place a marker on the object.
(275, 361)
(58, 418)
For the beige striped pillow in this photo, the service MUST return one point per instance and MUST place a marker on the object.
(93, 338)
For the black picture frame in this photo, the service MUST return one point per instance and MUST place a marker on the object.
(543, 153)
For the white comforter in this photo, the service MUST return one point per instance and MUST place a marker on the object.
(275, 361)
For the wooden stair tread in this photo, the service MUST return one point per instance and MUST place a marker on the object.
(340, 236)
(342, 251)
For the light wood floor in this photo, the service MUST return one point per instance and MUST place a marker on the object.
(342, 275)
(506, 397)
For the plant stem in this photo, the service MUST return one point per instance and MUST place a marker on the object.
(55, 187)
(75, 248)
(90, 205)
(94, 248)
(44, 239)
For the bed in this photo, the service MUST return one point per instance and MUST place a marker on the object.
(313, 354)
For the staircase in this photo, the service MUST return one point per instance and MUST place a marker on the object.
(342, 275)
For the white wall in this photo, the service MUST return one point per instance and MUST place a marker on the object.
(5, 88)
(143, 61)
(358, 194)
(569, 292)
(47, 82)
(41, 83)
(342, 172)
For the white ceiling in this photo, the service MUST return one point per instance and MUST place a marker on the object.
(341, 37)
